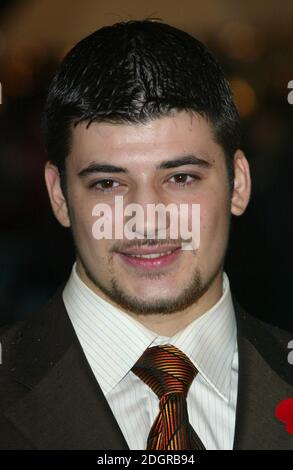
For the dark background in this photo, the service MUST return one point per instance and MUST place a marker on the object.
(253, 41)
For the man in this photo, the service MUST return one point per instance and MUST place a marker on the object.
(142, 110)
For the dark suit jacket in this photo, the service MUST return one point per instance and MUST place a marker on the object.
(50, 399)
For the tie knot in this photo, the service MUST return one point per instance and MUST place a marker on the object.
(165, 369)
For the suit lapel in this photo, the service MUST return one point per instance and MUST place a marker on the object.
(260, 388)
(64, 407)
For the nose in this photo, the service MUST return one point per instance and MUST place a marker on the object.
(152, 219)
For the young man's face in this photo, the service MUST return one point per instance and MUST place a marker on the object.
(171, 282)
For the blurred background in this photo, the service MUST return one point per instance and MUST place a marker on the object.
(253, 41)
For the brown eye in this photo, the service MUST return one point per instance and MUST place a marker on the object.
(107, 184)
(183, 179)
(180, 178)
(104, 185)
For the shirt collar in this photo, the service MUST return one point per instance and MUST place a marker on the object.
(210, 342)
(113, 341)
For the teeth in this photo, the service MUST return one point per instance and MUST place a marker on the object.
(153, 255)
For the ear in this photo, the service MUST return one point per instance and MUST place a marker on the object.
(57, 199)
(242, 184)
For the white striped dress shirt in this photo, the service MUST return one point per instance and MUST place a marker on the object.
(113, 341)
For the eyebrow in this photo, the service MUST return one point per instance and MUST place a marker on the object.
(101, 168)
(165, 165)
(186, 160)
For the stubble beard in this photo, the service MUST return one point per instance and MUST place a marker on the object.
(189, 295)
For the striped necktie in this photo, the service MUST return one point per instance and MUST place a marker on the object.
(169, 373)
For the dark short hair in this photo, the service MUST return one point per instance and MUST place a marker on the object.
(132, 72)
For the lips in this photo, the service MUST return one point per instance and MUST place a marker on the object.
(151, 257)
(151, 250)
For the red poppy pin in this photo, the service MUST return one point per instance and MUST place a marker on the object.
(284, 412)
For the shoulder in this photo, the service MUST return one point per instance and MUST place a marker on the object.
(24, 342)
(256, 329)
(271, 342)
(13, 332)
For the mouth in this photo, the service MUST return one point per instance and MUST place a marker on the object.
(151, 257)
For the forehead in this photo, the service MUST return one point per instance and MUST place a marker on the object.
(160, 138)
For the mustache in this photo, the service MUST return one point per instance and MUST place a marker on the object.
(173, 243)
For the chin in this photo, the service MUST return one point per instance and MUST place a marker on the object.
(152, 295)
(153, 288)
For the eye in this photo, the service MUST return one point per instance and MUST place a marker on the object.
(183, 179)
(105, 185)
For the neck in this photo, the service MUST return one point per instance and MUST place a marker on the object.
(166, 324)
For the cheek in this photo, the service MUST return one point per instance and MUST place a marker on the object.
(82, 225)
(214, 221)
(83, 219)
